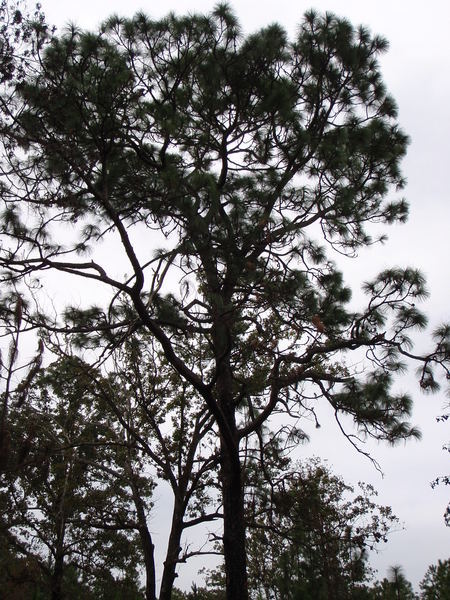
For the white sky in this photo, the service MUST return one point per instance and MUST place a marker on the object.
(416, 71)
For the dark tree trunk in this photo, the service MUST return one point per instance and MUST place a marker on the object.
(58, 567)
(57, 577)
(231, 471)
(148, 548)
(149, 560)
(173, 553)
(233, 527)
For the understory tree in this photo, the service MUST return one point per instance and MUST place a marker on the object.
(166, 420)
(309, 536)
(436, 583)
(246, 160)
(96, 445)
(65, 492)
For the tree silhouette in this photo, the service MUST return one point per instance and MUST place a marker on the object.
(251, 156)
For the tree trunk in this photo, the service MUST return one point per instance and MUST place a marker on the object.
(233, 527)
(148, 548)
(173, 553)
(58, 569)
(231, 470)
(149, 560)
(57, 577)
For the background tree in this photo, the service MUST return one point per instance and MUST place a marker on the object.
(243, 153)
(65, 506)
(146, 420)
(173, 430)
(17, 29)
(436, 583)
(394, 587)
(20, 577)
(16, 377)
(309, 536)
(198, 593)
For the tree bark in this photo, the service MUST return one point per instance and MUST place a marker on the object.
(58, 569)
(231, 469)
(149, 560)
(148, 547)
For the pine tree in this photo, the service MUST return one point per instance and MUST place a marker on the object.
(252, 156)
(436, 583)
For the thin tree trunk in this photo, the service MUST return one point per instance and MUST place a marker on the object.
(58, 569)
(148, 548)
(173, 553)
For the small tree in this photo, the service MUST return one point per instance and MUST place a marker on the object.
(65, 499)
(174, 432)
(436, 583)
(309, 535)
(394, 587)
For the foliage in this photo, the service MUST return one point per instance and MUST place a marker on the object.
(20, 578)
(65, 496)
(436, 583)
(309, 536)
(174, 432)
(198, 593)
(18, 30)
(16, 378)
(396, 586)
(128, 427)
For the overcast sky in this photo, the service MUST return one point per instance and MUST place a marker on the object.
(416, 70)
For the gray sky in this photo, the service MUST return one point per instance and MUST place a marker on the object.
(416, 71)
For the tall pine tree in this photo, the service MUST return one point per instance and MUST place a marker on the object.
(253, 156)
